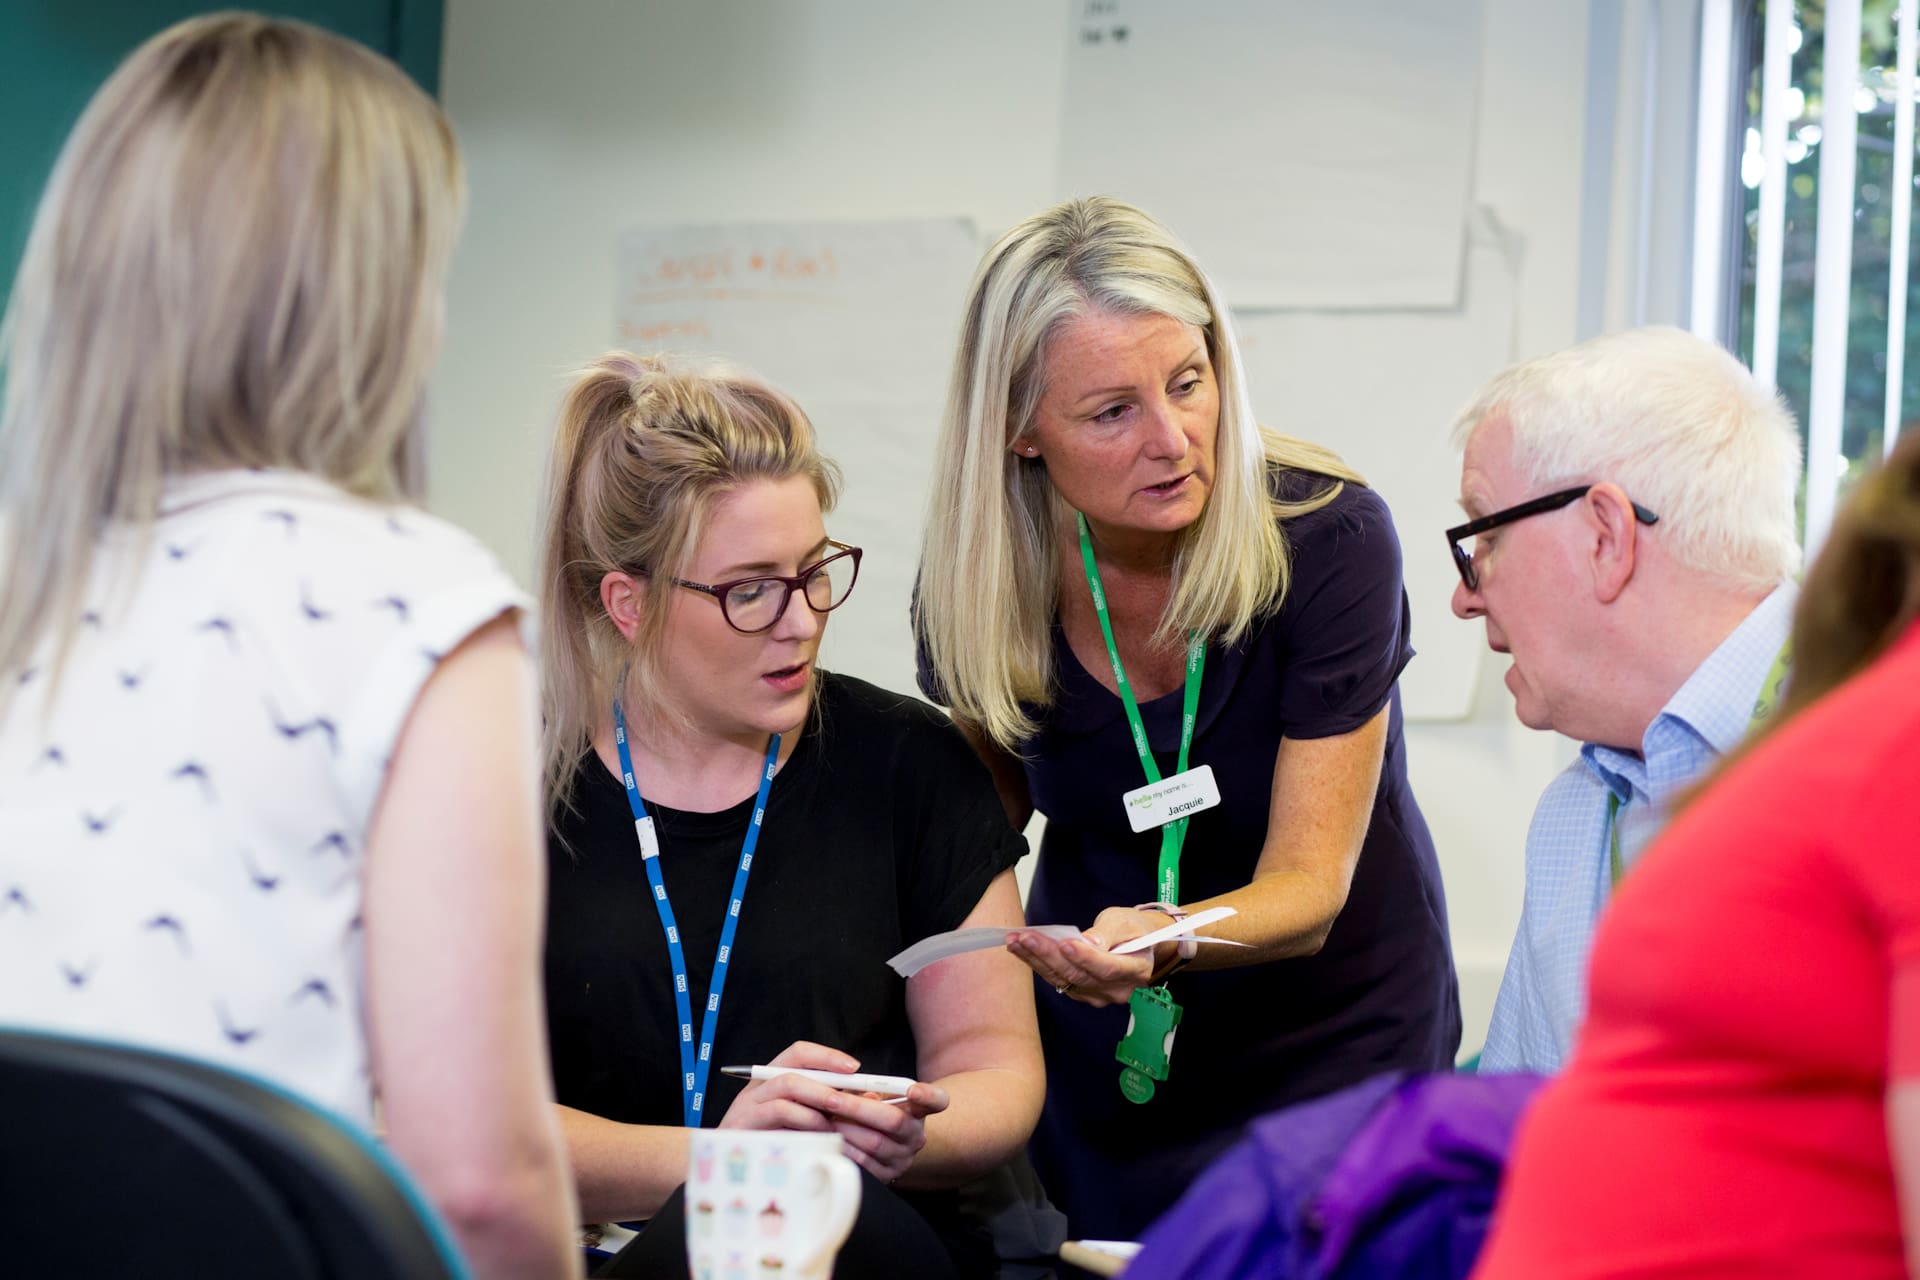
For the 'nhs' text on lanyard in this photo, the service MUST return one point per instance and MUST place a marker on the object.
(693, 1068)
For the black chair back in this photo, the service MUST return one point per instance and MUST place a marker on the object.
(120, 1160)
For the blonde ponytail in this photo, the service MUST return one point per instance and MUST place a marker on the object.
(645, 446)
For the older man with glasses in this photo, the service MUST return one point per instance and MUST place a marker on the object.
(1631, 544)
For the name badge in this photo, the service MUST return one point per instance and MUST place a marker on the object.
(1180, 796)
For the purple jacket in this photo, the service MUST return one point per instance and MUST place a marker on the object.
(1394, 1177)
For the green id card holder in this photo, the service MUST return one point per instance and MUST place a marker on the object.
(1152, 1018)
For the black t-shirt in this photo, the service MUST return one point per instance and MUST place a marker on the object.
(881, 828)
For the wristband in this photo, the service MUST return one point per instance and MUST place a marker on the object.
(1179, 963)
(1187, 948)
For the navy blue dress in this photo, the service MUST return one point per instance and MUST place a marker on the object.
(1379, 996)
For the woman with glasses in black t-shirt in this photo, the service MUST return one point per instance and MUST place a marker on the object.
(798, 829)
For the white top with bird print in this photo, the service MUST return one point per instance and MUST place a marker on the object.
(182, 826)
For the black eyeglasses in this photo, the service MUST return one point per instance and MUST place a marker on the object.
(1533, 507)
(753, 605)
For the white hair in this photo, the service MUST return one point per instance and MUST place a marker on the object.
(1675, 421)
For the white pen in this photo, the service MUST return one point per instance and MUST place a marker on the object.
(855, 1081)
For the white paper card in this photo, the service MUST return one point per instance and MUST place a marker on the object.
(1180, 931)
(959, 941)
(1179, 796)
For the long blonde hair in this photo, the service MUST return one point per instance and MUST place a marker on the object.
(989, 582)
(238, 262)
(645, 448)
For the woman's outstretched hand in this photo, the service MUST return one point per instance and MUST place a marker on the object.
(1083, 968)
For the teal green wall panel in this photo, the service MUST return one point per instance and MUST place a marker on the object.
(55, 53)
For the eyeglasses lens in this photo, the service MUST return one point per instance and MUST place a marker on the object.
(828, 585)
(755, 605)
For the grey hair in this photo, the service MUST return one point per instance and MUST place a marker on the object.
(1677, 422)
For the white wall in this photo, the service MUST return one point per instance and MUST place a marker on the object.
(584, 117)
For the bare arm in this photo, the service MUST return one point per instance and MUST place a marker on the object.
(1322, 800)
(973, 1021)
(454, 912)
(627, 1171)
(982, 1078)
(622, 1171)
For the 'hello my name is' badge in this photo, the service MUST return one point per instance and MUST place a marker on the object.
(1179, 796)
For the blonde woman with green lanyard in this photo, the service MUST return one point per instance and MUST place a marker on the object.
(1177, 635)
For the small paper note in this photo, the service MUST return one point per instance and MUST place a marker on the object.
(959, 941)
(1180, 931)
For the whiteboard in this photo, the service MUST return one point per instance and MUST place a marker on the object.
(1312, 153)
(1392, 427)
(857, 321)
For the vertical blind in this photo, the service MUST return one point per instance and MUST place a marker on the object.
(1839, 209)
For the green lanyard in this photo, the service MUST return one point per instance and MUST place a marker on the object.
(1174, 834)
(1763, 705)
(1152, 1015)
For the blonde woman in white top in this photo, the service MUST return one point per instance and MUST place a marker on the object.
(267, 738)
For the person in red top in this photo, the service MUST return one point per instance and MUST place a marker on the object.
(1744, 1099)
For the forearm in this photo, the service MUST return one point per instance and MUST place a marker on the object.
(1319, 811)
(1280, 914)
(990, 1116)
(510, 1212)
(453, 910)
(622, 1171)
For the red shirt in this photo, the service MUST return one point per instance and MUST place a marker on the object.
(1724, 1112)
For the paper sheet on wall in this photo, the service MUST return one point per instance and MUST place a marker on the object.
(1313, 153)
(857, 321)
(1392, 427)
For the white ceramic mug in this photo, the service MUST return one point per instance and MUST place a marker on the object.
(767, 1204)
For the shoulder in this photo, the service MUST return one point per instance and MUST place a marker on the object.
(298, 557)
(850, 704)
(1341, 553)
(586, 812)
(1574, 785)
(285, 521)
(1354, 512)
(1565, 812)
(892, 734)
(1857, 746)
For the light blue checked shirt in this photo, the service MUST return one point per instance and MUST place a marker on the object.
(1543, 994)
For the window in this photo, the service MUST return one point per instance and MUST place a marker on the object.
(1823, 310)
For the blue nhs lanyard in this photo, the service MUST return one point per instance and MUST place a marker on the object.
(693, 1074)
